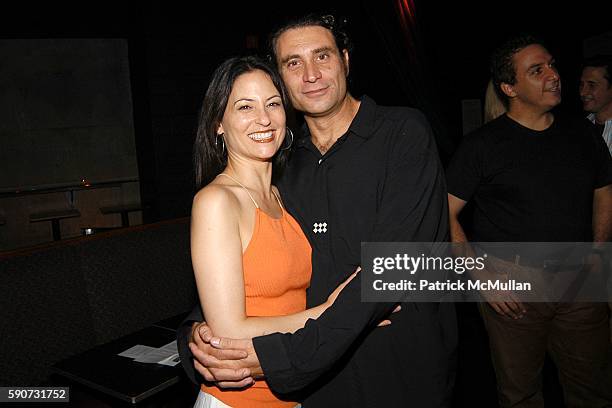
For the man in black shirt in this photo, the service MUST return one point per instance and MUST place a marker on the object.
(361, 173)
(535, 177)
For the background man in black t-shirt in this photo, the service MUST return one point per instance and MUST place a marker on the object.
(534, 177)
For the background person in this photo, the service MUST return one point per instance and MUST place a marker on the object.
(536, 177)
(493, 106)
(596, 94)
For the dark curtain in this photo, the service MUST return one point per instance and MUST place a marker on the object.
(395, 24)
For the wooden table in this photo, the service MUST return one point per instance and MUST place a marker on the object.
(55, 216)
(124, 210)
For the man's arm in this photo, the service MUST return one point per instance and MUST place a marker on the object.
(455, 205)
(230, 363)
(511, 308)
(602, 193)
(292, 361)
(193, 330)
(183, 334)
(602, 214)
(464, 175)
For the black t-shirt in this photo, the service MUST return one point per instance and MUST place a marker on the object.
(530, 185)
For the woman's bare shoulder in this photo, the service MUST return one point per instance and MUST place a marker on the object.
(215, 199)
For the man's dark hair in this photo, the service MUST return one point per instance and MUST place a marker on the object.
(209, 152)
(600, 61)
(337, 26)
(502, 64)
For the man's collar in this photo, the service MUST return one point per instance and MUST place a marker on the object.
(591, 117)
(362, 123)
(304, 137)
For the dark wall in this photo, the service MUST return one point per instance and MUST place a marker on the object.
(173, 49)
(65, 112)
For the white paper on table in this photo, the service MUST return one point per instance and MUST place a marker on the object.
(136, 351)
(171, 361)
(166, 355)
(154, 356)
(172, 346)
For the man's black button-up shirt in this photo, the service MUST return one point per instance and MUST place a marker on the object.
(381, 181)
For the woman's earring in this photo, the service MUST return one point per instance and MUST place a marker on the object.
(290, 143)
(220, 136)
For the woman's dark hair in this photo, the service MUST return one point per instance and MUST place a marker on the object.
(209, 153)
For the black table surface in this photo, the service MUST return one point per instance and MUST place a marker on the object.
(173, 322)
(103, 370)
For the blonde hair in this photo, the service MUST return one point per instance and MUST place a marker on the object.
(493, 106)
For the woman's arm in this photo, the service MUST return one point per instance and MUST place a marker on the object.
(216, 253)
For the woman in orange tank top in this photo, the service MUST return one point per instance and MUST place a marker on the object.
(250, 258)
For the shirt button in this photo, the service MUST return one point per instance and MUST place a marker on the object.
(320, 160)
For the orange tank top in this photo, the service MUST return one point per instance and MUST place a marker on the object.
(277, 267)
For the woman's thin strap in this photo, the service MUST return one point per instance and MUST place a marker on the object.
(279, 201)
(241, 185)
